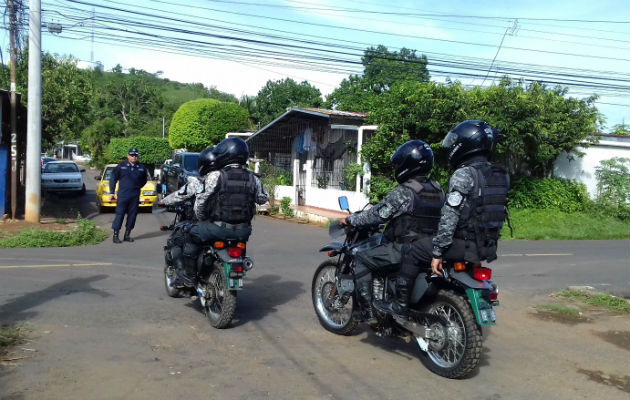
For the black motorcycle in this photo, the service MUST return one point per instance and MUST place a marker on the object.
(221, 267)
(445, 313)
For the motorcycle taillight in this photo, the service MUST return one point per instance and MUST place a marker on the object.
(482, 273)
(234, 252)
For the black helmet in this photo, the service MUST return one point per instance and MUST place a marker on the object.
(206, 161)
(414, 157)
(467, 139)
(231, 151)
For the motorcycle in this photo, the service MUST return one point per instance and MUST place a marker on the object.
(221, 268)
(445, 314)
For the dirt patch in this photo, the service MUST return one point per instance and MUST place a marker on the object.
(563, 318)
(10, 227)
(618, 338)
(620, 382)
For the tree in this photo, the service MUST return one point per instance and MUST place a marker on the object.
(66, 93)
(382, 69)
(621, 129)
(204, 122)
(275, 97)
(152, 150)
(133, 98)
(95, 138)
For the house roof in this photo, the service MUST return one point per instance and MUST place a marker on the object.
(317, 112)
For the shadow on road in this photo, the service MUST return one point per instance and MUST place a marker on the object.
(16, 310)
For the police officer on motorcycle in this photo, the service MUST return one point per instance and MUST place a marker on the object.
(411, 210)
(205, 164)
(475, 207)
(226, 201)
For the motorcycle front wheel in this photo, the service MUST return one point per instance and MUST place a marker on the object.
(220, 302)
(332, 314)
(455, 350)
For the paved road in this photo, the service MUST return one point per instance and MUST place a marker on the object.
(103, 328)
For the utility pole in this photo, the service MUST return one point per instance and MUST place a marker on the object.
(13, 32)
(34, 121)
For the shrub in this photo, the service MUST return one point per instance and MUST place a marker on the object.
(552, 193)
(379, 187)
(152, 150)
(285, 206)
(86, 233)
(200, 123)
(613, 187)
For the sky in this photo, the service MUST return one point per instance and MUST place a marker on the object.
(236, 46)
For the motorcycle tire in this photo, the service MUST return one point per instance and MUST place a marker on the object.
(457, 351)
(220, 302)
(334, 320)
(170, 277)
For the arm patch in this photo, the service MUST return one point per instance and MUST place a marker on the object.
(454, 199)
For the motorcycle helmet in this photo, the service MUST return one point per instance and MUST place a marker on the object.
(467, 139)
(231, 151)
(207, 161)
(414, 157)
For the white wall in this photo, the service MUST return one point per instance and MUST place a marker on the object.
(582, 169)
(324, 198)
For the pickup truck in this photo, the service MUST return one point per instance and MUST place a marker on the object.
(175, 174)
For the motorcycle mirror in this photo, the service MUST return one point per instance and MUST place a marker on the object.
(343, 203)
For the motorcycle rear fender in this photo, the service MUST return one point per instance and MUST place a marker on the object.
(484, 314)
(469, 282)
(228, 263)
(332, 246)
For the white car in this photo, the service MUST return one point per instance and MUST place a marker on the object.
(62, 176)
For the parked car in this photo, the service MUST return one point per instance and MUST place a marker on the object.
(45, 160)
(148, 193)
(175, 174)
(62, 176)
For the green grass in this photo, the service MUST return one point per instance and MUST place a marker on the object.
(535, 224)
(85, 233)
(11, 335)
(601, 300)
(558, 309)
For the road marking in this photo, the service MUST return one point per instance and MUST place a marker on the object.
(550, 254)
(53, 265)
(536, 255)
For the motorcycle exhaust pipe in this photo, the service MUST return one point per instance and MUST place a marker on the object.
(248, 263)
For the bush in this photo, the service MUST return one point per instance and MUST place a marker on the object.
(552, 193)
(613, 187)
(285, 206)
(379, 187)
(152, 150)
(86, 233)
(200, 123)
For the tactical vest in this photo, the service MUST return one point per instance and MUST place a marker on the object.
(423, 216)
(482, 218)
(234, 199)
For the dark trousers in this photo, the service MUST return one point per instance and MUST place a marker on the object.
(420, 255)
(204, 232)
(126, 205)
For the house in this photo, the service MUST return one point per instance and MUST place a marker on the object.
(582, 169)
(315, 147)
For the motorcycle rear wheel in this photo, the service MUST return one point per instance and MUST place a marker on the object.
(220, 302)
(333, 319)
(457, 350)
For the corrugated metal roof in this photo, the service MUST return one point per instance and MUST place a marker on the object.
(313, 111)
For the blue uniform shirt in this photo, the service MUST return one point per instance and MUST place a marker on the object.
(130, 177)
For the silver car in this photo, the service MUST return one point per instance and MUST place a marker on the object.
(62, 176)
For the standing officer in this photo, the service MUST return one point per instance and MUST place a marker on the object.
(131, 177)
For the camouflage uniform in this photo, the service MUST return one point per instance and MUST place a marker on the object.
(461, 187)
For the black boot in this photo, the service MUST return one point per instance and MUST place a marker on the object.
(365, 298)
(116, 238)
(397, 307)
(128, 238)
(180, 271)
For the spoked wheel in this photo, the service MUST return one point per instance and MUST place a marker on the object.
(332, 314)
(455, 349)
(170, 277)
(219, 302)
